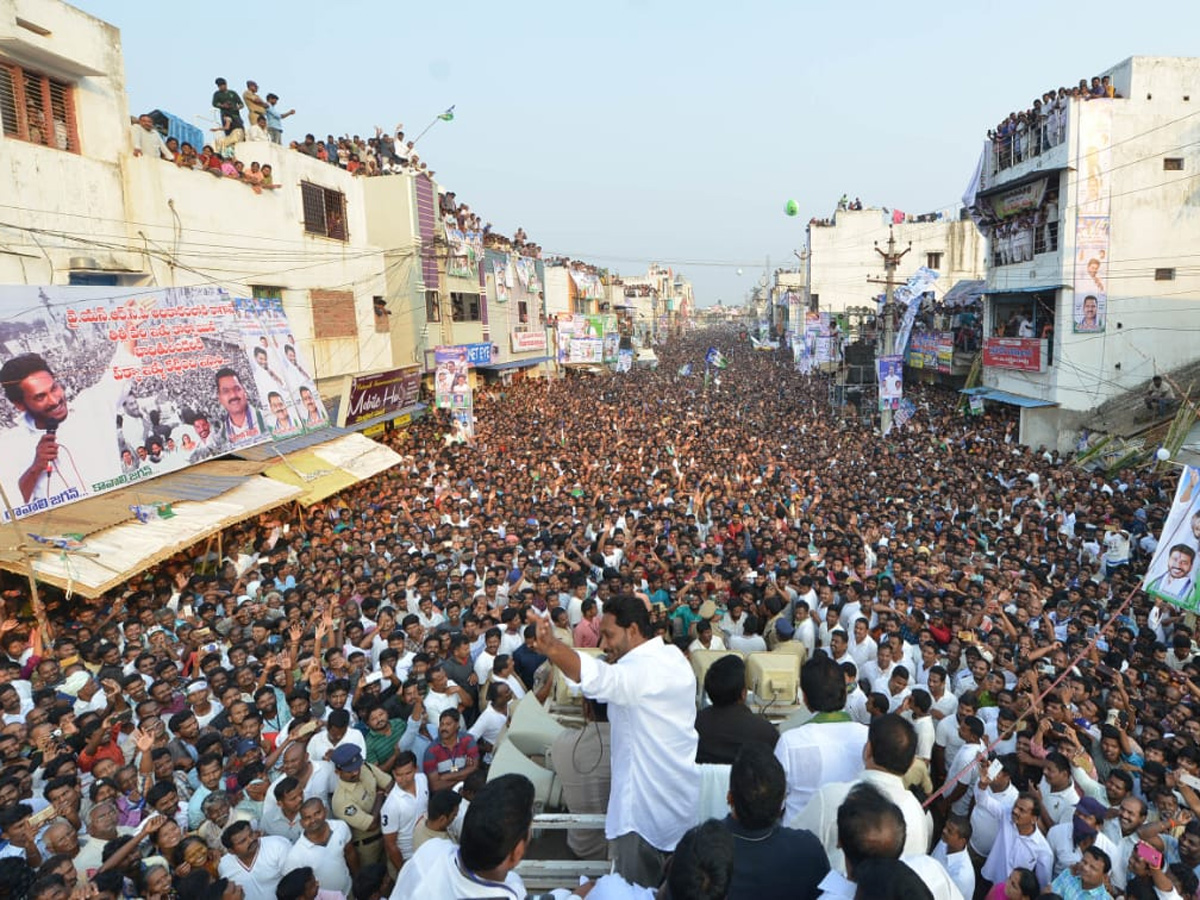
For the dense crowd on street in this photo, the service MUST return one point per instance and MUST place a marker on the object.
(990, 705)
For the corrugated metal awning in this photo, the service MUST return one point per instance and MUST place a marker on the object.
(989, 393)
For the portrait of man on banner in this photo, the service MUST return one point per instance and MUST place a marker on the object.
(1173, 572)
(106, 387)
(891, 381)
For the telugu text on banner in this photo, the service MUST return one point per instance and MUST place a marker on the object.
(105, 388)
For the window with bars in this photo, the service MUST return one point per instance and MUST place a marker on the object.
(37, 109)
(464, 307)
(433, 307)
(266, 292)
(324, 211)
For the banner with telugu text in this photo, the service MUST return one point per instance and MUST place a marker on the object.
(106, 387)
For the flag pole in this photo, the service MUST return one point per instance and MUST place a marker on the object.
(436, 119)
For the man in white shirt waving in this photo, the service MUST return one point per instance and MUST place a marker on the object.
(650, 690)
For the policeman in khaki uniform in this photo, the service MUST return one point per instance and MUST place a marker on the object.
(359, 794)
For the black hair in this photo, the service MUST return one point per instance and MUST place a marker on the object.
(225, 372)
(443, 802)
(498, 819)
(893, 743)
(16, 370)
(822, 684)
(292, 885)
(757, 786)
(725, 680)
(888, 879)
(627, 610)
(231, 832)
(702, 865)
(869, 825)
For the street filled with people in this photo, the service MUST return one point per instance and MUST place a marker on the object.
(989, 706)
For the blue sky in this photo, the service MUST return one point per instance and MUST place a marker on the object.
(632, 130)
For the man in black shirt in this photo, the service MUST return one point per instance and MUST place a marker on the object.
(728, 724)
(769, 860)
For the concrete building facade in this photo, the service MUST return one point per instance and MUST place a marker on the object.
(81, 208)
(1090, 237)
(841, 255)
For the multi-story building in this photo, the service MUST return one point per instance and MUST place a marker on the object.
(81, 208)
(1091, 219)
(842, 253)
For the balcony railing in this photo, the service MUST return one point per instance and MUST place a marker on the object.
(1027, 140)
(1023, 244)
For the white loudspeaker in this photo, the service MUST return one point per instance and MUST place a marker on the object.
(508, 760)
(531, 728)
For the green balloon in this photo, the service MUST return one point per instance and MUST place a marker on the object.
(791, 208)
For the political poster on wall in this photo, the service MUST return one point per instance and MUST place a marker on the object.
(107, 387)
(500, 273)
(466, 249)
(891, 381)
(1092, 221)
(451, 383)
(1173, 571)
(282, 379)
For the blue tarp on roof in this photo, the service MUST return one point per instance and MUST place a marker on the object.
(964, 293)
(1025, 290)
(515, 364)
(180, 129)
(988, 393)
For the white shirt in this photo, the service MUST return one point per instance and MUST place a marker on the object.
(400, 812)
(925, 735)
(487, 727)
(328, 861)
(268, 866)
(743, 644)
(946, 735)
(1013, 849)
(964, 769)
(863, 653)
(483, 666)
(1061, 839)
(1060, 805)
(320, 784)
(149, 142)
(820, 814)
(435, 871)
(319, 744)
(651, 697)
(817, 753)
(985, 820)
(871, 672)
(87, 441)
(958, 866)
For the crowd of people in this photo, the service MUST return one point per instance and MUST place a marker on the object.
(1018, 238)
(1031, 132)
(990, 705)
(216, 159)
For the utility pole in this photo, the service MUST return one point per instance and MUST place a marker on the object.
(886, 341)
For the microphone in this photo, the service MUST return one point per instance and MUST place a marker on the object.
(52, 430)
